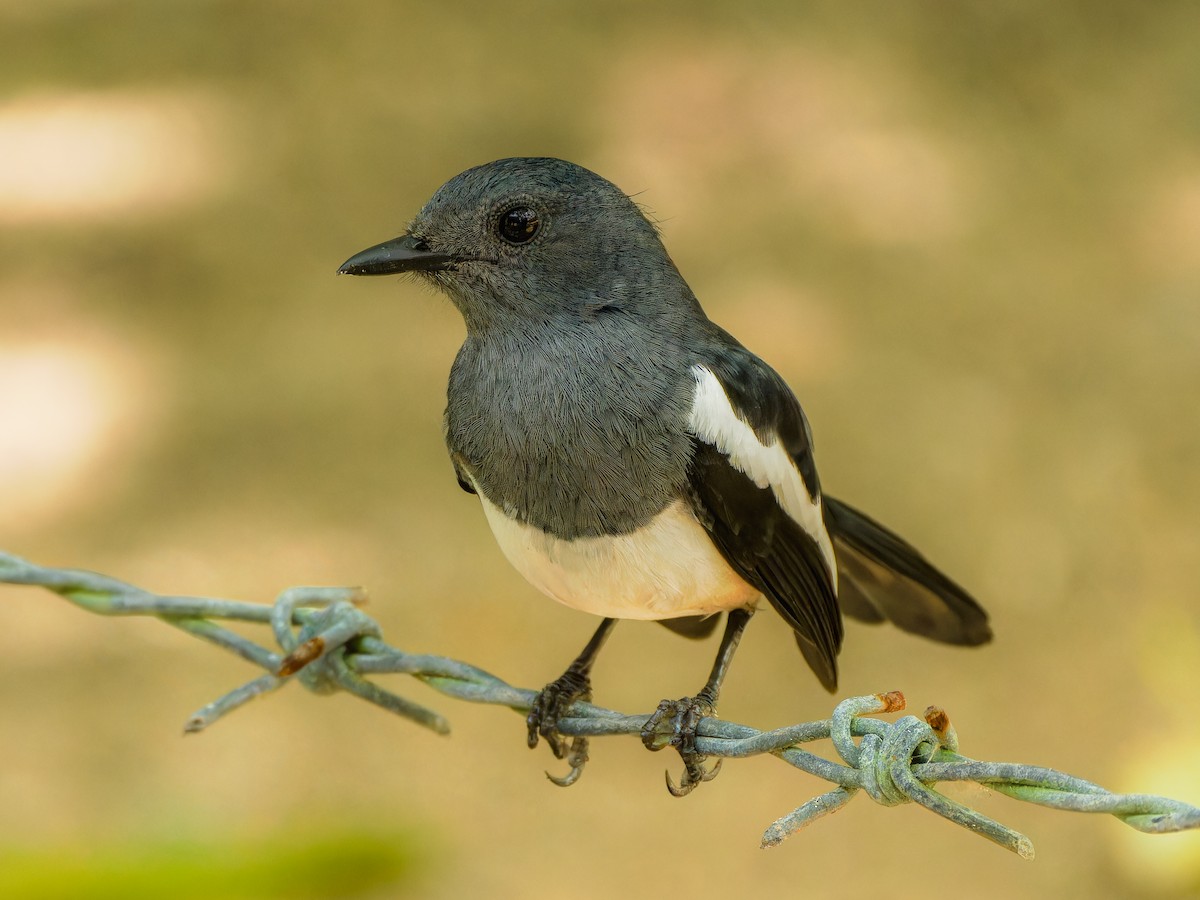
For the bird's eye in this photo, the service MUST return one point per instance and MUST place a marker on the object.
(518, 225)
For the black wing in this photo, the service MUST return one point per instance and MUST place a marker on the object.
(881, 575)
(763, 543)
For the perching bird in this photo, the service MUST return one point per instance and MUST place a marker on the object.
(634, 461)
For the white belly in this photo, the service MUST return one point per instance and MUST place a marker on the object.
(668, 568)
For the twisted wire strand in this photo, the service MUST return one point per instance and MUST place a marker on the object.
(327, 643)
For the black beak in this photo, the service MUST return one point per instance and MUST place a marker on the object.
(403, 254)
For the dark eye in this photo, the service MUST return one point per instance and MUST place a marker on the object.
(518, 225)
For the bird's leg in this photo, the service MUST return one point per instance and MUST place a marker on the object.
(674, 723)
(553, 701)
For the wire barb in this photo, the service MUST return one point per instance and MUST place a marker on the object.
(329, 644)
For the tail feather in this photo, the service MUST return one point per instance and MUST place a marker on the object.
(880, 575)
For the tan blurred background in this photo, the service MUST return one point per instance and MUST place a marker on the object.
(967, 234)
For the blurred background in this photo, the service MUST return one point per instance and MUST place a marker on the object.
(967, 234)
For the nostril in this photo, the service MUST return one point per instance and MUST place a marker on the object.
(420, 244)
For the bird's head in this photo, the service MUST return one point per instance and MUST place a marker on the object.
(530, 239)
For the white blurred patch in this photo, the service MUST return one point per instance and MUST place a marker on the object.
(71, 409)
(66, 157)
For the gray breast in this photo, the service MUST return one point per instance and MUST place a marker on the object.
(568, 429)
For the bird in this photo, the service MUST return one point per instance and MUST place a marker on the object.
(633, 459)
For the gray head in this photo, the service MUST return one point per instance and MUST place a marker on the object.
(580, 338)
(533, 239)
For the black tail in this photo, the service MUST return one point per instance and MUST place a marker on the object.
(882, 576)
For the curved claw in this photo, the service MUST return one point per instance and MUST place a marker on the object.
(674, 724)
(577, 758)
(569, 779)
(551, 704)
(689, 781)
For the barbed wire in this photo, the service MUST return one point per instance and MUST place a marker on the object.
(327, 643)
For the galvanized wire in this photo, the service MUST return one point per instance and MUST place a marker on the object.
(327, 643)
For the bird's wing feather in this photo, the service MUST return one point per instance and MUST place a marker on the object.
(460, 472)
(754, 488)
(884, 576)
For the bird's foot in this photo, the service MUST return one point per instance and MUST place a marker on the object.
(550, 705)
(674, 724)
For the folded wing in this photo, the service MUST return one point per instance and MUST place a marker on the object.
(754, 488)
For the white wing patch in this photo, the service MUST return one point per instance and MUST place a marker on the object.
(714, 421)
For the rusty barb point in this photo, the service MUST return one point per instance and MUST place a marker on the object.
(327, 643)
